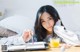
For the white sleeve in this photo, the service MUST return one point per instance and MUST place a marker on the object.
(69, 37)
(15, 40)
(18, 40)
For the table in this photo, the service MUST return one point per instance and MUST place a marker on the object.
(71, 49)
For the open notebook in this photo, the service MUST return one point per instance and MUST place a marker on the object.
(28, 46)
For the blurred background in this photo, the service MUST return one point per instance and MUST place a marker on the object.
(69, 11)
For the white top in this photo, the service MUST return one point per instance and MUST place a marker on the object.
(68, 37)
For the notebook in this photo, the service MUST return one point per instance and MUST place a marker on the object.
(28, 46)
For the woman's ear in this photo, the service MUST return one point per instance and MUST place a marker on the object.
(58, 23)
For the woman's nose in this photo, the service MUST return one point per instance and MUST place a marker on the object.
(47, 23)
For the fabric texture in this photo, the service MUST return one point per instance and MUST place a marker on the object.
(13, 40)
(16, 23)
(68, 36)
(4, 32)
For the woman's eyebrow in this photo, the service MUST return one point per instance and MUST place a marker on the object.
(41, 19)
(49, 16)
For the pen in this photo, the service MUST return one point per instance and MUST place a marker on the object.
(32, 37)
(32, 40)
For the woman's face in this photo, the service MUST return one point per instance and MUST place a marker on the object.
(47, 21)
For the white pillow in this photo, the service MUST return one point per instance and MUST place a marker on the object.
(16, 23)
(4, 32)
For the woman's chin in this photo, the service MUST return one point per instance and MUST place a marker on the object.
(50, 31)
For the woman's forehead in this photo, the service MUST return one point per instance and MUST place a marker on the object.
(45, 15)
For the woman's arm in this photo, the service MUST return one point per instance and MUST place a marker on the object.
(69, 37)
(16, 40)
(12, 40)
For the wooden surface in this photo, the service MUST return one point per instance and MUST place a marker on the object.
(71, 49)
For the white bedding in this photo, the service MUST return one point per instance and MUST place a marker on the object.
(16, 23)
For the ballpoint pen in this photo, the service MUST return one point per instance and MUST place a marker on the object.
(31, 33)
(32, 37)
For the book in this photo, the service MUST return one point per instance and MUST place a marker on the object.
(28, 46)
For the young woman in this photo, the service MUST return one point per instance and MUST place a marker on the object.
(48, 24)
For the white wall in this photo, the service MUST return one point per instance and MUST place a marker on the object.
(70, 14)
(27, 8)
(23, 7)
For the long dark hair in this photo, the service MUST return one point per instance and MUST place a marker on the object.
(40, 31)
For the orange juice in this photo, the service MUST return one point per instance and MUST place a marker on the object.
(54, 42)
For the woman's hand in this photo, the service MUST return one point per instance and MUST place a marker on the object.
(27, 35)
(65, 45)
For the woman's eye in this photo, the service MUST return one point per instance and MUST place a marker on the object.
(42, 21)
(50, 18)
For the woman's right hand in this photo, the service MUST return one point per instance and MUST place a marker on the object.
(27, 35)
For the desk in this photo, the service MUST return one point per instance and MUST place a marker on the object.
(71, 49)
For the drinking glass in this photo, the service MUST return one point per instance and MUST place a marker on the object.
(54, 42)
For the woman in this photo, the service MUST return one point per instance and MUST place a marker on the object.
(48, 24)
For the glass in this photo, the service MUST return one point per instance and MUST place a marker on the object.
(54, 42)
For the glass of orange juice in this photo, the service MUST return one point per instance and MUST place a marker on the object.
(54, 42)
